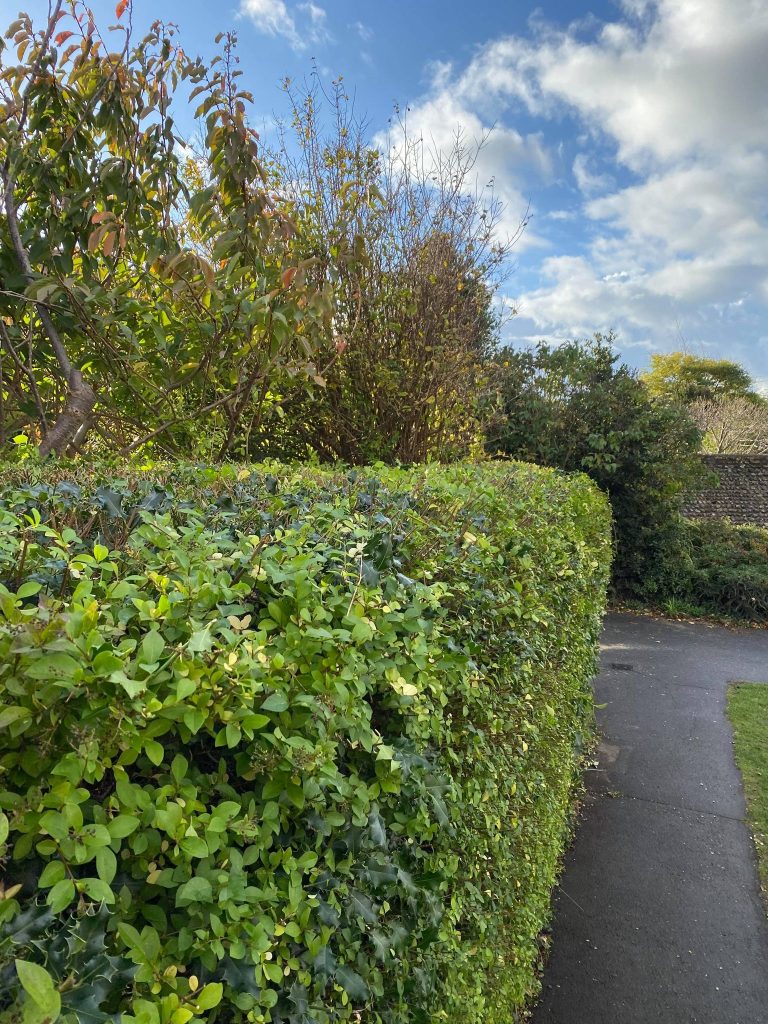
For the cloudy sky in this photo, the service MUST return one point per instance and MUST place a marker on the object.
(636, 131)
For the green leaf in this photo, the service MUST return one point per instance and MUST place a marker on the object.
(98, 890)
(4, 827)
(325, 962)
(121, 826)
(196, 890)
(210, 996)
(70, 767)
(53, 666)
(55, 824)
(61, 895)
(145, 1012)
(179, 767)
(154, 751)
(40, 987)
(200, 641)
(435, 790)
(255, 721)
(96, 836)
(352, 983)
(277, 613)
(111, 501)
(51, 874)
(227, 810)
(362, 632)
(275, 702)
(361, 906)
(194, 846)
(15, 714)
(152, 647)
(376, 828)
(133, 687)
(130, 936)
(105, 663)
(106, 864)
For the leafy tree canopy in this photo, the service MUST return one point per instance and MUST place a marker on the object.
(684, 378)
(144, 296)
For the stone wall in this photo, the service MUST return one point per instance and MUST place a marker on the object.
(741, 495)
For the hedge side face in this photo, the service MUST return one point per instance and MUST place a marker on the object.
(288, 745)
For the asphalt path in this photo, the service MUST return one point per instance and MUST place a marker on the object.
(658, 919)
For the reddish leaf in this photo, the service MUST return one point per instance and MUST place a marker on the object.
(62, 37)
(94, 238)
(121, 8)
(288, 276)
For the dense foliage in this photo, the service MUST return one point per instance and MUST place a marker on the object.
(414, 315)
(723, 570)
(682, 378)
(288, 746)
(143, 297)
(578, 408)
(214, 298)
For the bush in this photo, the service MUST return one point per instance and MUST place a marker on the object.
(576, 407)
(724, 570)
(414, 315)
(289, 745)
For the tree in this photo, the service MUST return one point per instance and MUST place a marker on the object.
(139, 303)
(415, 319)
(684, 378)
(734, 426)
(575, 407)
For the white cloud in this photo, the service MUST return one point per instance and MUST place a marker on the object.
(505, 161)
(301, 26)
(587, 180)
(318, 22)
(364, 31)
(670, 102)
(691, 83)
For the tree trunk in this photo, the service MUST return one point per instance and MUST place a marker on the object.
(74, 418)
(76, 415)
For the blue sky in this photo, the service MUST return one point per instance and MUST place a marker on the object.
(637, 130)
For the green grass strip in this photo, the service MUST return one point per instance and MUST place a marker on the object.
(748, 711)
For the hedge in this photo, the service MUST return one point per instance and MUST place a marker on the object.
(725, 571)
(288, 745)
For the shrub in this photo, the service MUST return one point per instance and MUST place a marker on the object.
(576, 407)
(288, 745)
(415, 315)
(724, 570)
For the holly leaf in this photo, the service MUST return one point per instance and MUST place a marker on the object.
(352, 983)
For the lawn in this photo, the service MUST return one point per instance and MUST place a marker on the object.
(748, 711)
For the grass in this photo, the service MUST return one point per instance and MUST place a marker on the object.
(748, 711)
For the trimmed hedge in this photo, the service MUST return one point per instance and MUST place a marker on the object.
(288, 745)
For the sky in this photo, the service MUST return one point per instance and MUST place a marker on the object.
(635, 132)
